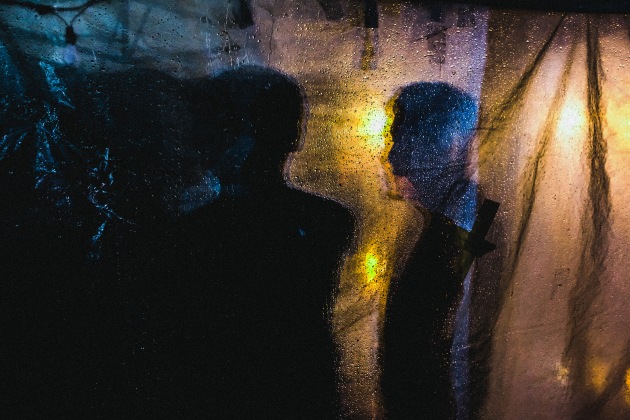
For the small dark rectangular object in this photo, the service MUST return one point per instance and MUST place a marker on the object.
(332, 9)
(245, 18)
(476, 243)
(436, 12)
(371, 14)
(465, 17)
(485, 216)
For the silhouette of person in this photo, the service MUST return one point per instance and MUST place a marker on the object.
(431, 132)
(197, 305)
(81, 152)
(257, 267)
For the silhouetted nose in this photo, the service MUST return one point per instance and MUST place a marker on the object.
(396, 154)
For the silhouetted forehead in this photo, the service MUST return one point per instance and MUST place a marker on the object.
(432, 99)
(246, 85)
(428, 113)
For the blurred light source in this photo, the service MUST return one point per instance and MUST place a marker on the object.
(628, 386)
(572, 118)
(618, 118)
(599, 372)
(371, 265)
(562, 373)
(373, 125)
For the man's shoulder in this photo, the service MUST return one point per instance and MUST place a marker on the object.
(328, 214)
(332, 223)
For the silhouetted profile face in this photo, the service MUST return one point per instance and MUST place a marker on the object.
(431, 131)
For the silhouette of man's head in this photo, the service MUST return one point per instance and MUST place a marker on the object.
(432, 126)
(432, 129)
(250, 121)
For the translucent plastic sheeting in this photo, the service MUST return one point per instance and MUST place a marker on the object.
(551, 145)
(350, 74)
(546, 309)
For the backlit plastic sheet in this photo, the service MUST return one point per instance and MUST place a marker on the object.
(538, 328)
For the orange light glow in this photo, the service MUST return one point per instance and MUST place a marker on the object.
(599, 372)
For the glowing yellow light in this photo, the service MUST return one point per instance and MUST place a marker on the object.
(373, 122)
(618, 118)
(562, 373)
(599, 373)
(371, 265)
(373, 125)
(619, 115)
(628, 386)
(572, 119)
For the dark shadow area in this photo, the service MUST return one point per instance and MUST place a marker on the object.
(268, 255)
(417, 336)
(154, 261)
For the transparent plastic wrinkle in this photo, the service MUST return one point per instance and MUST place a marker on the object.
(11, 142)
(55, 85)
(11, 82)
(557, 162)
